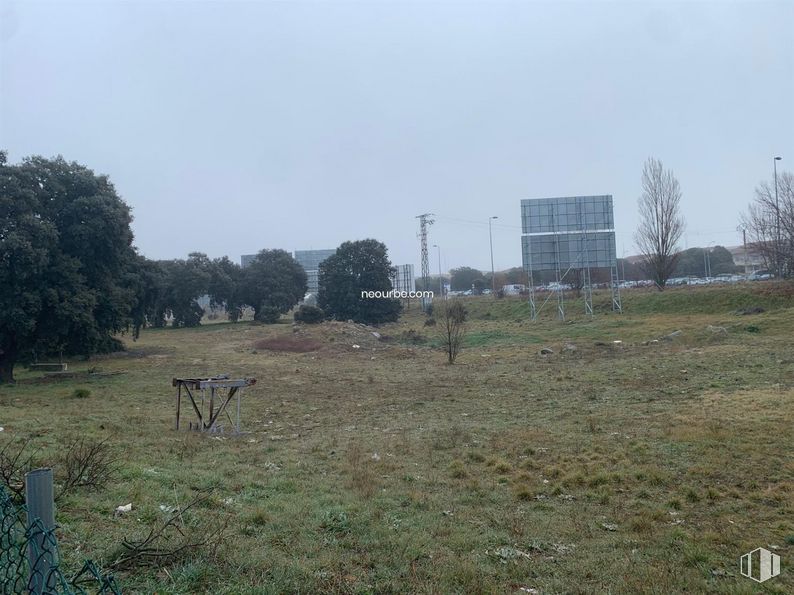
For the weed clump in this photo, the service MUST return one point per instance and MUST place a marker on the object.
(458, 469)
(523, 493)
(500, 465)
(335, 521)
(259, 517)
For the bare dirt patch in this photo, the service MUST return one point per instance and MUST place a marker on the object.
(289, 344)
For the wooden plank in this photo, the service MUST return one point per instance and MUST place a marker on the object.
(215, 417)
(193, 402)
(178, 403)
(225, 383)
(212, 405)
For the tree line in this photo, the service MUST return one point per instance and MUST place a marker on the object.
(71, 280)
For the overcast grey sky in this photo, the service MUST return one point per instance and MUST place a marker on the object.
(235, 126)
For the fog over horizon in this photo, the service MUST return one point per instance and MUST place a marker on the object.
(229, 127)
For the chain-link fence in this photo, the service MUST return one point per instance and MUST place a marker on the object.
(29, 560)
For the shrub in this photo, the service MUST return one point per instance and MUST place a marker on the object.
(309, 314)
(85, 463)
(453, 328)
(268, 314)
(81, 393)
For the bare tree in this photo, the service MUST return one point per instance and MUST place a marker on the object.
(452, 327)
(661, 223)
(761, 221)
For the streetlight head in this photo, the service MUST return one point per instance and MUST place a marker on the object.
(778, 158)
(494, 217)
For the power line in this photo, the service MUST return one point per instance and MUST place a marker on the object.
(442, 218)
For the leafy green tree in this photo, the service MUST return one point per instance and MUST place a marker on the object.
(147, 279)
(463, 278)
(515, 276)
(272, 284)
(184, 282)
(692, 262)
(225, 287)
(357, 266)
(67, 266)
(630, 271)
(432, 283)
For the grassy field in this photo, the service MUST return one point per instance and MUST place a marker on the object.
(626, 462)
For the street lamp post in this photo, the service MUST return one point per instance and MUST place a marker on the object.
(440, 278)
(743, 229)
(777, 224)
(493, 274)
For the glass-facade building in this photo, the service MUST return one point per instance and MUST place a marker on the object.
(310, 261)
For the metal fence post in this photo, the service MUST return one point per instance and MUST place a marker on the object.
(40, 501)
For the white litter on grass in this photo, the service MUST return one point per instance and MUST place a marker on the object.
(375, 456)
(356, 346)
(2, 428)
(123, 509)
(168, 509)
(508, 553)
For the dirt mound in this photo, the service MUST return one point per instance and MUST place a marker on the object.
(330, 336)
(351, 333)
(289, 343)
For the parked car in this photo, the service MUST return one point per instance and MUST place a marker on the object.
(513, 289)
(760, 276)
